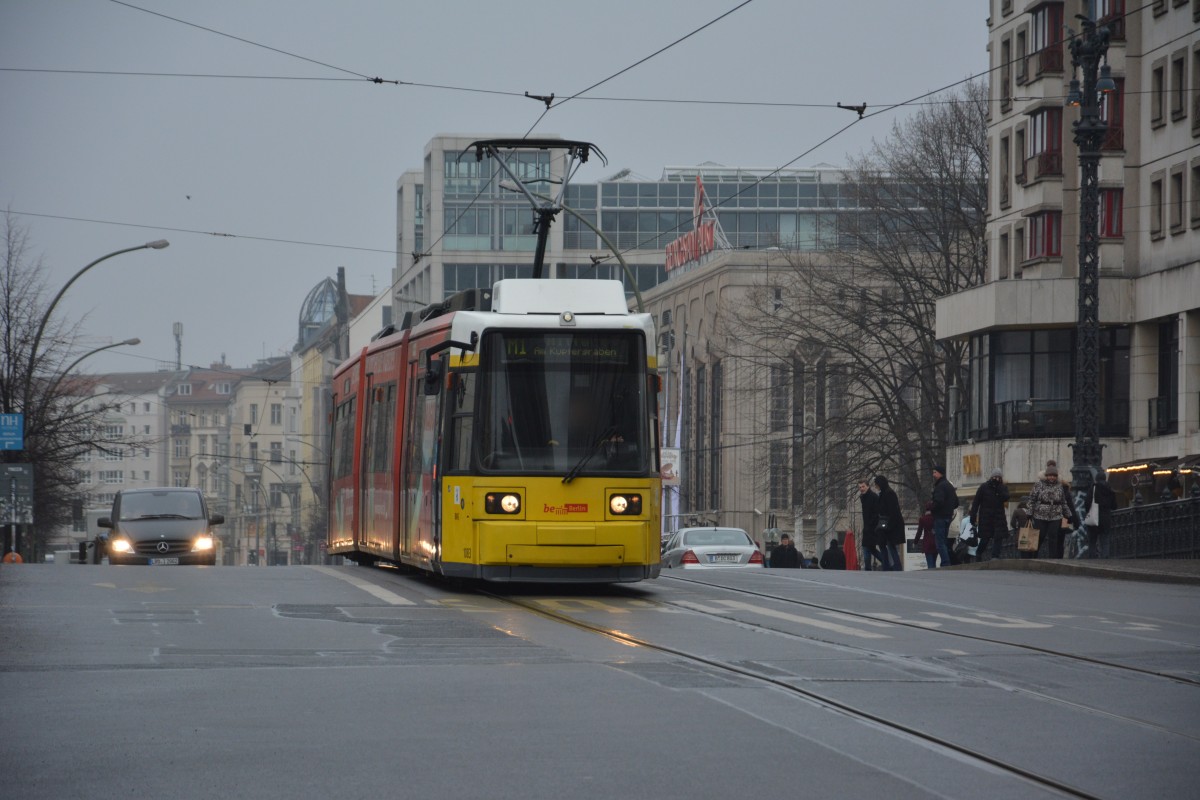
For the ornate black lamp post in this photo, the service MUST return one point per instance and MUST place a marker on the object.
(1088, 49)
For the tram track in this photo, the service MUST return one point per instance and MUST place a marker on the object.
(818, 699)
(875, 620)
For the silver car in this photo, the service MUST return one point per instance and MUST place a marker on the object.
(711, 548)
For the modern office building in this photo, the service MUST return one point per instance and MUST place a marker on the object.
(461, 225)
(1018, 409)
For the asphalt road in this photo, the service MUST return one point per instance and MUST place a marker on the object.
(298, 682)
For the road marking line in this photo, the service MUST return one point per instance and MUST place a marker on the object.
(391, 598)
(816, 623)
(990, 620)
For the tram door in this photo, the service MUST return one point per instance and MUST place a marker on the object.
(422, 494)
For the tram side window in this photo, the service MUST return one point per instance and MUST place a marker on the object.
(461, 407)
(343, 439)
(380, 436)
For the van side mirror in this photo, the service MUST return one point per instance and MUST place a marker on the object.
(216, 519)
(104, 522)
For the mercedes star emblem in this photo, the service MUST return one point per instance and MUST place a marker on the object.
(163, 547)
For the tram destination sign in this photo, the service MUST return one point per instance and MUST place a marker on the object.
(568, 349)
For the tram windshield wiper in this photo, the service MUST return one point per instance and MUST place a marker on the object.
(602, 440)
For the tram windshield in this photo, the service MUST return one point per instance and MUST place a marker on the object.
(563, 403)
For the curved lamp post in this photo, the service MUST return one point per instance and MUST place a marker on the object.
(62, 375)
(157, 244)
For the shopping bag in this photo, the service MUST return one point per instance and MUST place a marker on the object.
(1028, 539)
(1093, 515)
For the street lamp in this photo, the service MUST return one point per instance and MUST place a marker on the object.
(88, 354)
(157, 244)
(1088, 49)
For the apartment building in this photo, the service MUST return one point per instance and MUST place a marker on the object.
(1017, 411)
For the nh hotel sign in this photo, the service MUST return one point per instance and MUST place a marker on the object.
(706, 235)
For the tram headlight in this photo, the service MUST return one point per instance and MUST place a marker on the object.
(625, 505)
(502, 503)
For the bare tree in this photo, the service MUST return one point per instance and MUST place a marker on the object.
(63, 414)
(857, 320)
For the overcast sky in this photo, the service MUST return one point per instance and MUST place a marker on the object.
(315, 162)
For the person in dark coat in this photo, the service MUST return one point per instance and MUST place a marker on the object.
(870, 512)
(1104, 497)
(987, 513)
(924, 536)
(945, 503)
(891, 538)
(785, 555)
(833, 557)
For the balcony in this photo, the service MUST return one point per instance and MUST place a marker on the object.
(1047, 60)
(1032, 419)
(1048, 164)
(1114, 139)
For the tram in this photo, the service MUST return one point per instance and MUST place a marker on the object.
(507, 434)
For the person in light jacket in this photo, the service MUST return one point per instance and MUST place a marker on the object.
(1049, 504)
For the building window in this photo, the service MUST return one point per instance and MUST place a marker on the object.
(1177, 199)
(1195, 203)
(1111, 213)
(778, 475)
(1004, 256)
(1005, 74)
(1019, 154)
(1112, 111)
(183, 389)
(276, 495)
(1045, 141)
(1179, 85)
(276, 414)
(780, 400)
(1020, 57)
(1018, 248)
(1112, 14)
(1005, 173)
(1045, 235)
(1047, 25)
(182, 447)
(1157, 93)
(699, 431)
(276, 452)
(223, 387)
(1156, 208)
(179, 477)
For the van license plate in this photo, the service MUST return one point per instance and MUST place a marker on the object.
(160, 562)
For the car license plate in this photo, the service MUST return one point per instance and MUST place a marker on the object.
(724, 558)
(161, 562)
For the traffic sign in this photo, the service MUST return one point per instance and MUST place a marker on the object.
(12, 431)
(16, 494)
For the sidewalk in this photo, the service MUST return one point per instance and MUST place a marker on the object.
(1185, 571)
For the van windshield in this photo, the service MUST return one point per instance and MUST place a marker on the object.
(149, 505)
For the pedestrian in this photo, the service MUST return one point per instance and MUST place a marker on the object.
(1106, 501)
(870, 511)
(889, 531)
(1050, 507)
(810, 561)
(945, 503)
(785, 555)
(833, 557)
(925, 538)
(987, 513)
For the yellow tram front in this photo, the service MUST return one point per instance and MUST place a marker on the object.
(550, 464)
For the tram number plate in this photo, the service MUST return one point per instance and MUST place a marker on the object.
(160, 562)
(724, 558)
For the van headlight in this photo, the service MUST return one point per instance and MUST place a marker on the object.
(120, 546)
(203, 543)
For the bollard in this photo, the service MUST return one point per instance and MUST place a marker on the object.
(83, 552)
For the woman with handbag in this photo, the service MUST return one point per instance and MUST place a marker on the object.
(1052, 512)
(987, 513)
